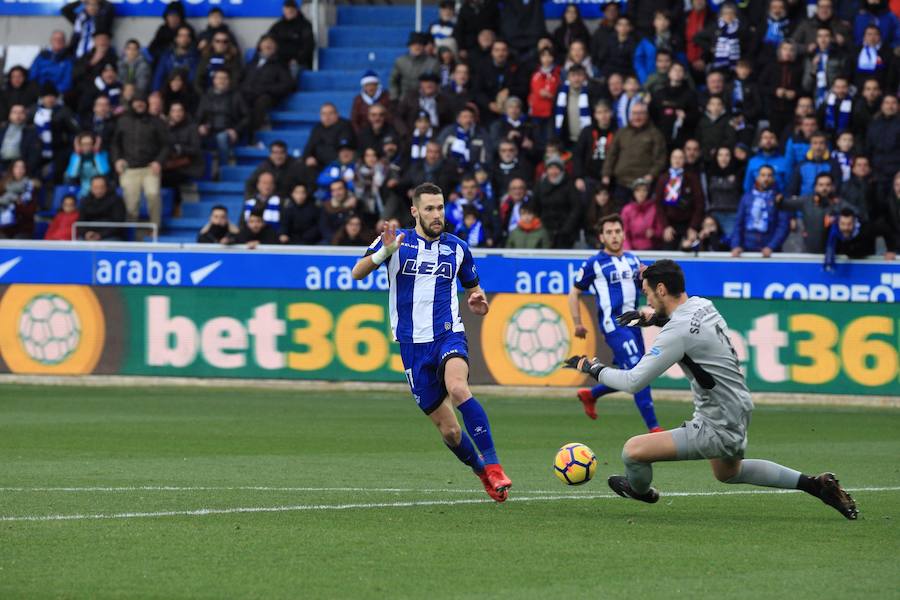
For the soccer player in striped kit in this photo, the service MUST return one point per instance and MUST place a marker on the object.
(613, 275)
(423, 266)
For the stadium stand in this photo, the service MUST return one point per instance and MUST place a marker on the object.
(608, 109)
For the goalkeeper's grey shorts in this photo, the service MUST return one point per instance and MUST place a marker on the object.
(698, 439)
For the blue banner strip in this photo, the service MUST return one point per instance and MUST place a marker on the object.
(852, 281)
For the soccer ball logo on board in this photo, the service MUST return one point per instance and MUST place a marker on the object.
(537, 339)
(49, 329)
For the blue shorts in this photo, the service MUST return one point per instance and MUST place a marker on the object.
(424, 364)
(627, 345)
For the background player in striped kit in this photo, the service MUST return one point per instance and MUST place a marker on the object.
(613, 275)
(423, 266)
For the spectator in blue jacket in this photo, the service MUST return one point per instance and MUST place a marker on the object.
(53, 64)
(761, 226)
(877, 13)
(182, 55)
(797, 144)
(344, 169)
(663, 39)
(817, 160)
(85, 164)
(767, 154)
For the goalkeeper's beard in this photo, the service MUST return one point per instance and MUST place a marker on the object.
(429, 232)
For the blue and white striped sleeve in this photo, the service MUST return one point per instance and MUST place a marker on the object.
(585, 276)
(468, 274)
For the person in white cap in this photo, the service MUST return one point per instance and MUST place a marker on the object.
(370, 93)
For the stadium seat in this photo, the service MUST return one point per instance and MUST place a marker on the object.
(336, 81)
(250, 155)
(365, 37)
(235, 173)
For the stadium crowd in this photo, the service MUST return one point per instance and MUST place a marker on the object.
(759, 126)
(113, 126)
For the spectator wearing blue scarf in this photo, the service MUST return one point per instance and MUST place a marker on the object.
(760, 225)
(464, 141)
(873, 59)
(823, 65)
(776, 29)
(836, 112)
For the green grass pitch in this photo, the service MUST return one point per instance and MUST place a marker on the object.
(352, 495)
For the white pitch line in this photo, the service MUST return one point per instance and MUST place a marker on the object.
(202, 512)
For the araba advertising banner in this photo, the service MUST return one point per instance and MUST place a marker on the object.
(514, 272)
(795, 346)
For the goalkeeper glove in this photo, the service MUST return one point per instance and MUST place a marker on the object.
(581, 363)
(635, 318)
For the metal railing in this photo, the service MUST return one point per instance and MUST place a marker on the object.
(153, 227)
(316, 39)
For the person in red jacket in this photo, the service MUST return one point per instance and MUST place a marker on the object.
(61, 226)
(542, 94)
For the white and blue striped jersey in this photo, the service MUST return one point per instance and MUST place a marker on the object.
(423, 300)
(615, 281)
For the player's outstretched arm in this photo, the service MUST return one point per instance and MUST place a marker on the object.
(667, 350)
(477, 300)
(380, 251)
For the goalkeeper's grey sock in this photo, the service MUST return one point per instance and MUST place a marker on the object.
(639, 474)
(766, 473)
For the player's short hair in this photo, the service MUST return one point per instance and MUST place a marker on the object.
(613, 218)
(425, 188)
(668, 273)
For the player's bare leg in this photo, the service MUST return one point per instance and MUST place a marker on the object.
(825, 487)
(639, 454)
(456, 380)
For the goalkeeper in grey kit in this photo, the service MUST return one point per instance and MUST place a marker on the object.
(695, 336)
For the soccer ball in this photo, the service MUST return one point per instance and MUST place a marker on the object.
(575, 464)
(537, 339)
(49, 329)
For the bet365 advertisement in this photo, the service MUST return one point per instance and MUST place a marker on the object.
(784, 346)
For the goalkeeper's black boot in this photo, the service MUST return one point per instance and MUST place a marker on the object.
(619, 484)
(832, 494)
